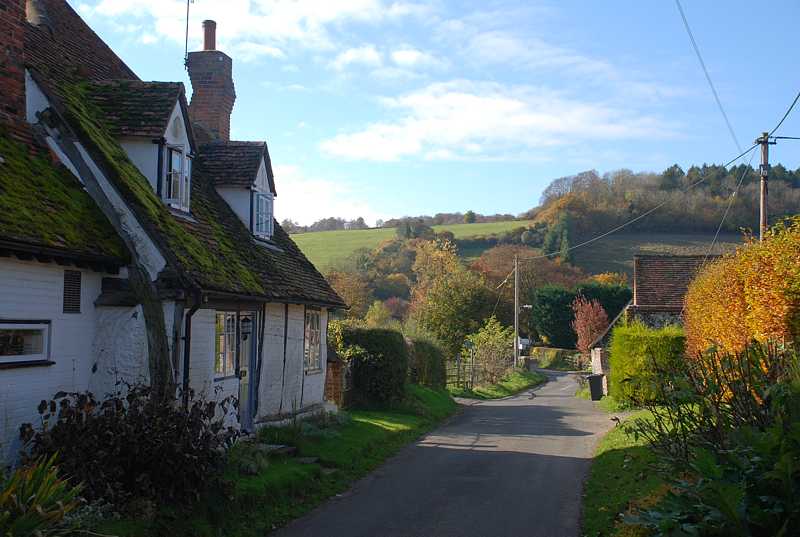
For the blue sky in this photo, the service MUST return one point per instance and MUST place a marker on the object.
(385, 108)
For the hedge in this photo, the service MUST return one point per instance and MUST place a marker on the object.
(753, 294)
(636, 351)
(379, 361)
(426, 364)
(552, 308)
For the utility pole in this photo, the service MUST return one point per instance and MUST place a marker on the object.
(516, 310)
(764, 172)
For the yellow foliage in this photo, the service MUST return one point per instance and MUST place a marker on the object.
(752, 294)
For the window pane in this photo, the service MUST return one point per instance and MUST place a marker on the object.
(21, 341)
(219, 364)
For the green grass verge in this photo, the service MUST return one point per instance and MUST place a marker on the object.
(512, 383)
(325, 248)
(608, 403)
(261, 493)
(621, 480)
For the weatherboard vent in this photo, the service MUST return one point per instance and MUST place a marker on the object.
(72, 291)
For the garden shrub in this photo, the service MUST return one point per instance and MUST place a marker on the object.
(753, 294)
(551, 315)
(493, 347)
(379, 361)
(133, 445)
(637, 351)
(612, 297)
(426, 365)
(727, 430)
(34, 500)
(552, 358)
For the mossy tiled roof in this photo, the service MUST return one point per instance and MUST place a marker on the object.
(134, 107)
(212, 250)
(234, 163)
(42, 204)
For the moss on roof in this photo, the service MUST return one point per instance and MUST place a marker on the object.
(43, 204)
(221, 268)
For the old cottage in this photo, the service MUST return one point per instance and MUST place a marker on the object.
(136, 239)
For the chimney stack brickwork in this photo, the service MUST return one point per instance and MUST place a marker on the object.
(213, 93)
(12, 66)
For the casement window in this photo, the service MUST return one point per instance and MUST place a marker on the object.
(178, 186)
(312, 355)
(23, 341)
(225, 352)
(263, 216)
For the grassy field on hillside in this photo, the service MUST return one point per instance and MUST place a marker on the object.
(615, 253)
(325, 248)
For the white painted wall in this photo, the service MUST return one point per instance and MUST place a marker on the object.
(144, 155)
(32, 290)
(287, 389)
(202, 378)
(119, 350)
(238, 199)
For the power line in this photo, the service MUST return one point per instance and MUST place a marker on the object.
(633, 220)
(791, 106)
(728, 208)
(708, 77)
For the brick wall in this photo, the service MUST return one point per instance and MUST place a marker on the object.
(213, 93)
(12, 67)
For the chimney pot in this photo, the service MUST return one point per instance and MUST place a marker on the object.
(209, 35)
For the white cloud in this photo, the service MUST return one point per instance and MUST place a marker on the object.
(366, 55)
(409, 57)
(465, 119)
(272, 24)
(306, 200)
(497, 47)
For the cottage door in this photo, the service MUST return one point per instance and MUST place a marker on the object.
(247, 359)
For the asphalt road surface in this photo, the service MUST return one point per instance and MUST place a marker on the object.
(512, 467)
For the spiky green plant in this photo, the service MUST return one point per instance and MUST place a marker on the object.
(34, 500)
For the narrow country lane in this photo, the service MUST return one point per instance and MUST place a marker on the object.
(512, 467)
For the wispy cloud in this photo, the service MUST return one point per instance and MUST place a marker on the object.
(366, 55)
(261, 26)
(467, 119)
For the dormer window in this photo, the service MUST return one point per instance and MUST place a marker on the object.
(263, 214)
(179, 179)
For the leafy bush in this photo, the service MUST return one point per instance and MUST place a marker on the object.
(589, 323)
(426, 365)
(493, 346)
(552, 358)
(752, 294)
(612, 297)
(728, 427)
(379, 360)
(133, 444)
(34, 500)
(552, 312)
(637, 353)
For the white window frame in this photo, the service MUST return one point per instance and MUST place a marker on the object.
(44, 326)
(224, 343)
(312, 340)
(263, 214)
(178, 185)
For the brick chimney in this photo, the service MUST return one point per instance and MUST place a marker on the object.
(213, 93)
(12, 64)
